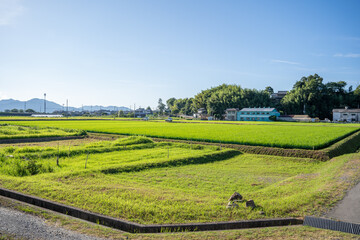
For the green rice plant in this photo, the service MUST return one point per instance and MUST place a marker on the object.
(10, 132)
(273, 135)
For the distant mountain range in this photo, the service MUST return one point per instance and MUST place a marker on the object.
(38, 106)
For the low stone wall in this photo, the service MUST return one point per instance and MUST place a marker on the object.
(141, 228)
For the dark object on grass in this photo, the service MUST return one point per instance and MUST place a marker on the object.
(250, 203)
(232, 205)
(235, 197)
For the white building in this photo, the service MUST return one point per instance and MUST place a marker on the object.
(279, 95)
(346, 115)
(47, 115)
(230, 114)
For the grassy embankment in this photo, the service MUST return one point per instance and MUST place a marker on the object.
(273, 233)
(138, 180)
(283, 136)
(12, 132)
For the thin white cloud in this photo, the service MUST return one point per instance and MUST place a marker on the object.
(283, 61)
(9, 10)
(348, 55)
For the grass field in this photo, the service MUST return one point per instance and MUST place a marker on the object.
(286, 136)
(11, 132)
(146, 182)
(272, 233)
(124, 154)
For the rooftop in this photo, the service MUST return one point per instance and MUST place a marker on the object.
(258, 109)
(346, 110)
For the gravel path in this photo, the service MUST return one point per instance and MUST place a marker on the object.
(348, 209)
(26, 226)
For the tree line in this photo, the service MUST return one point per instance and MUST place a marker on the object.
(310, 95)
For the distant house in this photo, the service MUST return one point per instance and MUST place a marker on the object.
(148, 111)
(346, 115)
(230, 114)
(140, 112)
(201, 113)
(295, 118)
(251, 114)
(279, 95)
(185, 116)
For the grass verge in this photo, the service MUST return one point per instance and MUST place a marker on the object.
(58, 220)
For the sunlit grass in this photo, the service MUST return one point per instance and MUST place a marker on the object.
(162, 183)
(287, 136)
(11, 131)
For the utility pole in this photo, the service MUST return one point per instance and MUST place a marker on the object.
(67, 106)
(304, 109)
(134, 111)
(25, 106)
(45, 103)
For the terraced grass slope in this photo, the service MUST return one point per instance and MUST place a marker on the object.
(136, 179)
(285, 136)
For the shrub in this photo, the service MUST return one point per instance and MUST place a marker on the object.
(33, 167)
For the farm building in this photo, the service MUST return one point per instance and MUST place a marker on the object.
(346, 115)
(279, 95)
(295, 118)
(257, 114)
(230, 114)
(202, 114)
(47, 115)
(251, 114)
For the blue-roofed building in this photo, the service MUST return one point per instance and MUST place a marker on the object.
(257, 114)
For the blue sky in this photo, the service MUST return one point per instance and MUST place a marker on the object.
(125, 52)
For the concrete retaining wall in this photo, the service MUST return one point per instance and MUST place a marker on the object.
(141, 228)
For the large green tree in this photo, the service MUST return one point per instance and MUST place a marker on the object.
(161, 106)
(311, 96)
(217, 100)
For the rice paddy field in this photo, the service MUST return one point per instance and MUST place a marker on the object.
(139, 180)
(11, 131)
(311, 136)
